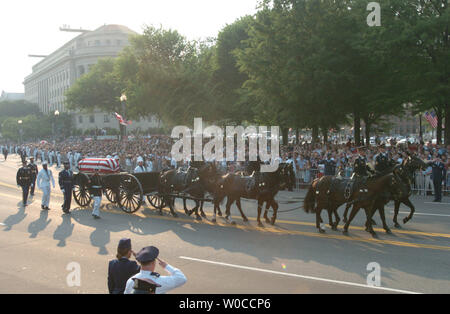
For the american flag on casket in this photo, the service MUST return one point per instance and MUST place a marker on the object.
(103, 165)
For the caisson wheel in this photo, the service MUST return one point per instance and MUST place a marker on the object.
(130, 194)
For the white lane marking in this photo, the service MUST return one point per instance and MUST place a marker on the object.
(298, 276)
(2, 224)
(422, 214)
(437, 203)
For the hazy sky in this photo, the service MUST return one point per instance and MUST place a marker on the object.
(32, 26)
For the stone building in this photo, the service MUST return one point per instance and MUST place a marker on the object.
(52, 76)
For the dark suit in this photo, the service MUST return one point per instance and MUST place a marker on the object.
(119, 271)
(66, 184)
(23, 178)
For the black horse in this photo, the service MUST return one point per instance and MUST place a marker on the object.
(235, 186)
(177, 181)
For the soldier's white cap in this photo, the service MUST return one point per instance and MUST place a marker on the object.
(140, 159)
(45, 162)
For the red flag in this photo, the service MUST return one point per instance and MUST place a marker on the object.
(121, 120)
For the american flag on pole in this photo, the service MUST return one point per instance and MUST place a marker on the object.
(121, 120)
(431, 118)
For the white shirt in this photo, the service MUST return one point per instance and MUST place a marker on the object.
(140, 169)
(175, 280)
(149, 166)
(44, 178)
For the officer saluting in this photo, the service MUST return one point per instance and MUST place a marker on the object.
(147, 281)
(23, 179)
(121, 269)
(66, 186)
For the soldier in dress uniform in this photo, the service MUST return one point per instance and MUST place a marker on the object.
(23, 179)
(66, 185)
(360, 168)
(139, 283)
(34, 173)
(44, 178)
(140, 168)
(96, 189)
(5, 153)
(121, 269)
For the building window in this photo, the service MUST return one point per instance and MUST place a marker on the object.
(92, 119)
(119, 42)
(97, 42)
(106, 118)
(80, 119)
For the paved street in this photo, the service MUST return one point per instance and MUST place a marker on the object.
(290, 257)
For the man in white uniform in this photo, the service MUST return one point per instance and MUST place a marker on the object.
(140, 167)
(147, 257)
(45, 176)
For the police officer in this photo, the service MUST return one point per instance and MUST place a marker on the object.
(34, 173)
(382, 162)
(439, 174)
(330, 165)
(23, 179)
(23, 155)
(66, 185)
(95, 189)
(44, 178)
(360, 168)
(147, 257)
(121, 269)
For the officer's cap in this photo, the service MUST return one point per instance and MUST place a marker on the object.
(125, 244)
(147, 254)
(44, 163)
(66, 162)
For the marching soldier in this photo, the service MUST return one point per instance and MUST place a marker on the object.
(121, 269)
(44, 178)
(95, 189)
(66, 185)
(147, 281)
(5, 153)
(23, 179)
(34, 173)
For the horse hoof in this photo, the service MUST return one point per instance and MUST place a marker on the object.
(321, 230)
(214, 220)
(334, 228)
(374, 235)
(397, 226)
(175, 215)
(233, 223)
(161, 214)
(388, 231)
(405, 220)
(267, 220)
(373, 223)
(345, 232)
(245, 219)
(272, 223)
(198, 218)
(190, 213)
(219, 214)
(204, 215)
(260, 225)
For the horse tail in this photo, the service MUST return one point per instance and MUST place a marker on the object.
(310, 200)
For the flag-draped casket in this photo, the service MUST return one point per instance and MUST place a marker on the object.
(103, 165)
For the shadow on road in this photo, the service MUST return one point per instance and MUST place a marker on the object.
(64, 230)
(39, 225)
(16, 218)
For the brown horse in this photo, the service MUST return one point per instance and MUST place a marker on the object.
(406, 175)
(264, 189)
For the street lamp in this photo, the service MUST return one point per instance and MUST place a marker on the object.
(123, 100)
(20, 122)
(53, 123)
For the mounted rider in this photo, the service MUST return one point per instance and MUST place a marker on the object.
(382, 161)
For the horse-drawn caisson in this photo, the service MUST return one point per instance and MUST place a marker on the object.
(162, 188)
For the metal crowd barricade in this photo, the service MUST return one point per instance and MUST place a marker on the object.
(423, 185)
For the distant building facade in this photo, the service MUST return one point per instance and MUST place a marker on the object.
(57, 72)
(11, 96)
